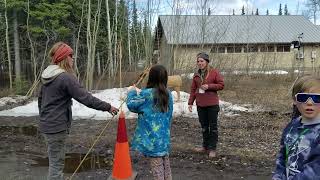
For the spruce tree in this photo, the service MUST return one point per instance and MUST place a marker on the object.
(123, 30)
(280, 10)
(286, 10)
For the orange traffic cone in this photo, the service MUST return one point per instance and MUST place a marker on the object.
(122, 168)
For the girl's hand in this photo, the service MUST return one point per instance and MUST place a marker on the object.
(138, 90)
(130, 88)
(204, 86)
(134, 88)
(190, 108)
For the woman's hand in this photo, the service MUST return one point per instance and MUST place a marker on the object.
(113, 111)
(190, 108)
(204, 86)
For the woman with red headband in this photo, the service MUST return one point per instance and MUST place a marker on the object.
(59, 86)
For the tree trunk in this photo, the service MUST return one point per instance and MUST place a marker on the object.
(91, 43)
(88, 79)
(98, 64)
(7, 43)
(16, 47)
(115, 66)
(110, 59)
(34, 62)
(109, 50)
(77, 42)
(129, 44)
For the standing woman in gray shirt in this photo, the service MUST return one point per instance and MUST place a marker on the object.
(59, 86)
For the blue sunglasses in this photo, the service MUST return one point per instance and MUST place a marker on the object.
(304, 97)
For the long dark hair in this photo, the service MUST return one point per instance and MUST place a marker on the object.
(158, 79)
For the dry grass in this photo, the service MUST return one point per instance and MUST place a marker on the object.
(251, 137)
(270, 91)
(4, 92)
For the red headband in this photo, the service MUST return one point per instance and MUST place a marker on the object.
(61, 53)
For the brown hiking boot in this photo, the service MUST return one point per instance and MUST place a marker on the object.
(200, 149)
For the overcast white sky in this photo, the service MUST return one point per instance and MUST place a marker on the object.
(220, 7)
(224, 7)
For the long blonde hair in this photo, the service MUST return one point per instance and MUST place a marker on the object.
(62, 64)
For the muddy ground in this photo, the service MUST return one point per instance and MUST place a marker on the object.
(247, 145)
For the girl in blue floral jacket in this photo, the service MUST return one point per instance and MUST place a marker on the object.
(299, 156)
(154, 106)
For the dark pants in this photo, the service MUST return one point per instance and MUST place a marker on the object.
(208, 117)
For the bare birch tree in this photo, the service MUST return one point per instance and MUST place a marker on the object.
(32, 55)
(129, 42)
(313, 7)
(17, 58)
(115, 32)
(92, 42)
(109, 64)
(7, 44)
(109, 50)
(78, 39)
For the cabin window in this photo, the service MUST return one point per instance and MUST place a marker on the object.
(230, 49)
(251, 48)
(234, 49)
(271, 48)
(263, 48)
(238, 49)
(283, 48)
(221, 50)
(214, 50)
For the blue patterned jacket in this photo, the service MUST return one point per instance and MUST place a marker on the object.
(152, 134)
(299, 156)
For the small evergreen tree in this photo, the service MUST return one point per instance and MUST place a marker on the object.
(286, 10)
(267, 13)
(242, 11)
(280, 10)
(257, 12)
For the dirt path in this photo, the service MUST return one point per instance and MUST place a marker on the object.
(246, 150)
(247, 143)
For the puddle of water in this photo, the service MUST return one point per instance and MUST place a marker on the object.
(72, 161)
(25, 130)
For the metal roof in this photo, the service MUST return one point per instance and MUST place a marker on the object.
(237, 29)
